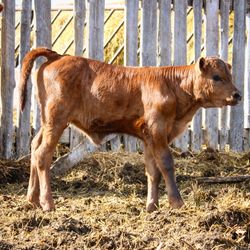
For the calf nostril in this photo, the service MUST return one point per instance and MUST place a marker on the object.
(237, 96)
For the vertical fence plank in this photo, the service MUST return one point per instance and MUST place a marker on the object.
(247, 84)
(43, 39)
(149, 33)
(79, 19)
(131, 32)
(165, 33)
(224, 29)
(212, 36)
(180, 51)
(148, 40)
(7, 78)
(130, 52)
(197, 121)
(23, 119)
(237, 113)
(96, 29)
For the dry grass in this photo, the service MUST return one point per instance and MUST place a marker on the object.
(101, 205)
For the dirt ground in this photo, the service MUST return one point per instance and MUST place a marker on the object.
(100, 204)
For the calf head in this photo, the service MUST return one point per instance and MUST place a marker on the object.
(213, 85)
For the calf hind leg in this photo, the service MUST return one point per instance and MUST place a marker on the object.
(33, 188)
(43, 157)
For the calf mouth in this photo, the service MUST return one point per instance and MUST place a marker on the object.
(232, 102)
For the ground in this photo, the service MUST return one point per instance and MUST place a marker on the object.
(100, 204)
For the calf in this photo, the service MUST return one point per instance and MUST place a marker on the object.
(154, 104)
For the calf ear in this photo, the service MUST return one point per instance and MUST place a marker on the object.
(201, 64)
(229, 66)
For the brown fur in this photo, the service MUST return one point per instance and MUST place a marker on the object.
(154, 104)
(1, 7)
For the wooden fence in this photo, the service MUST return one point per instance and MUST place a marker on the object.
(162, 32)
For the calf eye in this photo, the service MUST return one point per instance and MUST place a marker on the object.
(217, 78)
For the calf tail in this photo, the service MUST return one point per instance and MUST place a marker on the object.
(27, 65)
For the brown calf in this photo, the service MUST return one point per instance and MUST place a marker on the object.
(154, 104)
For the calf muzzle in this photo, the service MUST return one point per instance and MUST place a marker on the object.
(237, 96)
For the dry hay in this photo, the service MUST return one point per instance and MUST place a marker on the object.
(101, 205)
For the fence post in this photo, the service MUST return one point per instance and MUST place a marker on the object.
(149, 33)
(148, 40)
(23, 119)
(224, 29)
(43, 39)
(7, 78)
(247, 83)
(96, 29)
(237, 113)
(212, 36)
(197, 120)
(180, 51)
(165, 33)
(79, 20)
(130, 52)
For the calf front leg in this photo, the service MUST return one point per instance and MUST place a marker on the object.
(153, 177)
(165, 163)
(157, 142)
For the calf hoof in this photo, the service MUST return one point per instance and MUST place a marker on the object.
(47, 205)
(33, 201)
(176, 203)
(151, 207)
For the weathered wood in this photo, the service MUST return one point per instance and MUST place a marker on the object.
(165, 33)
(7, 78)
(212, 36)
(65, 137)
(149, 33)
(79, 20)
(23, 119)
(115, 143)
(247, 75)
(224, 30)
(130, 143)
(180, 32)
(197, 120)
(237, 113)
(96, 29)
(227, 179)
(130, 52)
(148, 41)
(180, 52)
(247, 85)
(213, 180)
(131, 32)
(96, 39)
(96, 36)
(43, 39)
(68, 161)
